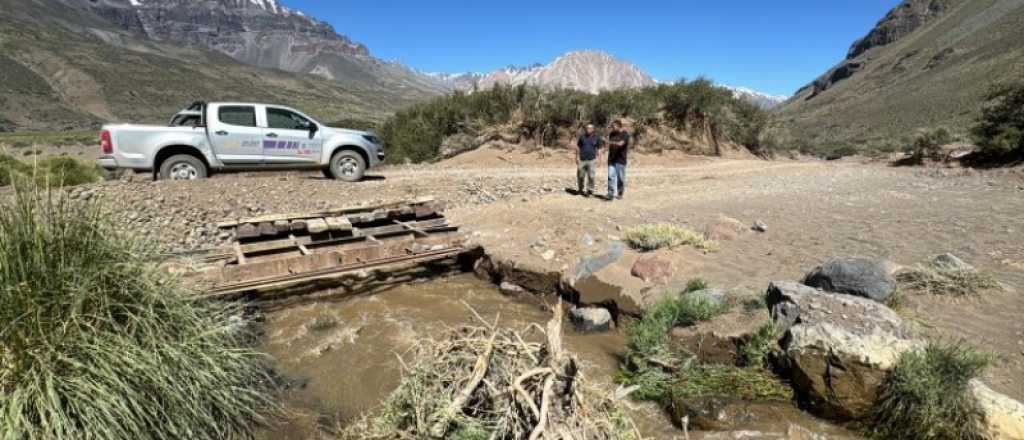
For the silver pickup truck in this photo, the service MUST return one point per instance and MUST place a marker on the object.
(209, 137)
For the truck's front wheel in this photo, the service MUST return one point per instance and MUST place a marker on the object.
(348, 165)
(183, 167)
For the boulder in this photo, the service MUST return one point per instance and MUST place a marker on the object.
(950, 262)
(652, 270)
(857, 276)
(724, 229)
(591, 319)
(718, 341)
(1003, 415)
(836, 349)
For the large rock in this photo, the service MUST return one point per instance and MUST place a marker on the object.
(837, 349)
(725, 229)
(591, 319)
(1003, 415)
(652, 270)
(854, 276)
(719, 341)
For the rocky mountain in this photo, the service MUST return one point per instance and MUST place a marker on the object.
(588, 70)
(926, 64)
(266, 34)
(74, 64)
(762, 100)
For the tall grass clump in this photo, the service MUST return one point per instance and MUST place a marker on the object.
(927, 396)
(647, 350)
(97, 342)
(650, 237)
(50, 172)
(947, 281)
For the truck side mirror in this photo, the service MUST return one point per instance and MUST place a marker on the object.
(313, 128)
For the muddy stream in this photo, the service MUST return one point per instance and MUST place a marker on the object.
(341, 353)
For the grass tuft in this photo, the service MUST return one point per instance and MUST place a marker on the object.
(728, 381)
(54, 171)
(97, 342)
(938, 280)
(927, 396)
(656, 236)
(754, 353)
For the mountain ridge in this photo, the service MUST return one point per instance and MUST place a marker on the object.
(927, 64)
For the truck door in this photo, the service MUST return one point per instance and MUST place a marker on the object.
(234, 134)
(291, 138)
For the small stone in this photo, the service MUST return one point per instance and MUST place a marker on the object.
(760, 226)
(511, 289)
(951, 262)
(591, 319)
(548, 255)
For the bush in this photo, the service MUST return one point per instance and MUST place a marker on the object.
(416, 133)
(11, 169)
(97, 342)
(938, 280)
(50, 172)
(651, 237)
(928, 145)
(927, 396)
(1000, 130)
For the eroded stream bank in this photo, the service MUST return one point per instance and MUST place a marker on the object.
(342, 353)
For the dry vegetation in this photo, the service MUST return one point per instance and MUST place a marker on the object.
(491, 382)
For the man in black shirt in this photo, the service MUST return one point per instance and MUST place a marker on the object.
(586, 159)
(618, 150)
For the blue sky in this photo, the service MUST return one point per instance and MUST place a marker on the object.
(773, 46)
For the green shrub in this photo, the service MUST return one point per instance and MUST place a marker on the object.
(416, 133)
(754, 352)
(655, 236)
(1000, 129)
(728, 381)
(11, 169)
(96, 341)
(50, 172)
(928, 145)
(927, 396)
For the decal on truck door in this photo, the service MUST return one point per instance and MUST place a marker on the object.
(301, 148)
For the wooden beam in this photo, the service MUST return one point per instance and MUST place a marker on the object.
(302, 248)
(239, 254)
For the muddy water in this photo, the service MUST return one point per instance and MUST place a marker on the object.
(342, 353)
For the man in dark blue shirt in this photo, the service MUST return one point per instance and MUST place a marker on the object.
(586, 159)
(618, 150)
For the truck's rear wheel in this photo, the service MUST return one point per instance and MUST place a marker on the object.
(348, 165)
(183, 167)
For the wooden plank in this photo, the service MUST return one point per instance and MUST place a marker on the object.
(248, 231)
(302, 248)
(339, 224)
(239, 254)
(333, 212)
(268, 229)
(317, 226)
(429, 226)
(419, 232)
(299, 225)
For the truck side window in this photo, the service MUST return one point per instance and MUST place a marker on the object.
(285, 120)
(238, 115)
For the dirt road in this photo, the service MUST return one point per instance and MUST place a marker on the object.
(814, 210)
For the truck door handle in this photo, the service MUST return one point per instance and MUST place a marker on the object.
(271, 135)
(221, 133)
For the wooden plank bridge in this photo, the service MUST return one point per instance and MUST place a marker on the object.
(282, 251)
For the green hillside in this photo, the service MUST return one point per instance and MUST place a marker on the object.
(928, 64)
